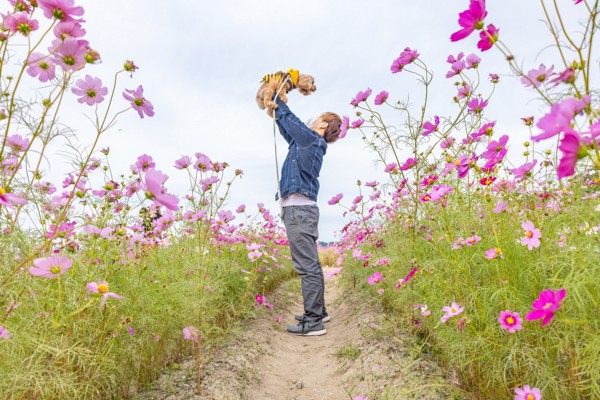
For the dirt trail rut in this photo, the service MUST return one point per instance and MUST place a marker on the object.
(355, 357)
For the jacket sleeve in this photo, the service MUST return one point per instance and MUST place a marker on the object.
(291, 128)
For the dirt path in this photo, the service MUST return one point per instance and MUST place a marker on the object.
(356, 357)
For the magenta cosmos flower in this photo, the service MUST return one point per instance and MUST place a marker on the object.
(102, 289)
(403, 281)
(344, 126)
(470, 20)
(191, 333)
(381, 97)
(476, 105)
(429, 127)
(155, 191)
(524, 170)
(90, 90)
(41, 67)
(60, 9)
(335, 199)
(451, 311)
(51, 267)
(360, 97)
(510, 320)
(488, 37)
(560, 116)
(406, 57)
(138, 102)
(532, 235)
(20, 22)
(67, 29)
(375, 278)
(546, 305)
(573, 149)
(527, 393)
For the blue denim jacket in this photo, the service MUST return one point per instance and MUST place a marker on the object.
(300, 171)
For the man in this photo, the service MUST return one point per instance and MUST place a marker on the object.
(299, 188)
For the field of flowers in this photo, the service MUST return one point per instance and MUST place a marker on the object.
(107, 277)
(490, 260)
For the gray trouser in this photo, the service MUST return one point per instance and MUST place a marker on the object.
(301, 224)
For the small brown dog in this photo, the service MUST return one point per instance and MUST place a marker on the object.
(291, 80)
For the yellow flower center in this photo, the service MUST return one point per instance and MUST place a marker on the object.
(547, 306)
(2, 191)
(457, 162)
(102, 288)
(528, 234)
(453, 310)
(510, 320)
(55, 269)
(530, 397)
(498, 250)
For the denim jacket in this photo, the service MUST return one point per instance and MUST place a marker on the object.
(300, 171)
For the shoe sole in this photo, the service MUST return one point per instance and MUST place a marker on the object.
(326, 319)
(312, 333)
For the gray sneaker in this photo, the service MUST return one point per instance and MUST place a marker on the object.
(307, 328)
(326, 318)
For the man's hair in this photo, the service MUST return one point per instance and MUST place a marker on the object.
(332, 132)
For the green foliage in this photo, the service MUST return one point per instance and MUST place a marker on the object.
(64, 345)
(561, 358)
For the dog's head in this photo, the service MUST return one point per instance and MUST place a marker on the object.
(306, 84)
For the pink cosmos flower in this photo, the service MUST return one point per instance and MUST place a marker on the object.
(405, 58)
(476, 105)
(375, 278)
(451, 311)
(4, 333)
(138, 102)
(560, 116)
(440, 191)
(344, 126)
(17, 143)
(191, 333)
(203, 163)
(496, 148)
(527, 393)
(536, 77)
(144, 163)
(470, 20)
(532, 235)
(473, 61)
(429, 127)
(494, 78)
(488, 37)
(39, 65)
(153, 186)
(471, 240)
(208, 183)
(573, 149)
(51, 267)
(331, 273)
(183, 162)
(524, 170)
(20, 22)
(408, 164)
(90, 90)
(66, 29)
(360, 97)
(9, 199)
(456, 67)
(546, 305)
(510, 320)
(335, 199)
(391, 168)
(69, 54)
(102, 289)
(381, 97)
(357, 124)
(447, 143)
(60, 9)
(463, 91)
(565, 76)
(493, 253)
(241, 208)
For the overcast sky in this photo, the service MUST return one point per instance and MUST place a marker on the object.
(201, 62)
